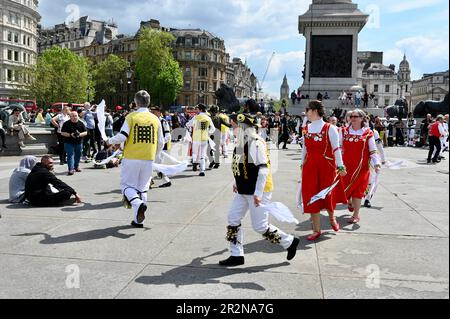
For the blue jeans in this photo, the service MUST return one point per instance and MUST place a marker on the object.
(73, 155)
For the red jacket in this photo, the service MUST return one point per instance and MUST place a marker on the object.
(434, 131)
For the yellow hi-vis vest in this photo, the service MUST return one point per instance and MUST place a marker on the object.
(225, 118)
(143, 138)
(201, 128)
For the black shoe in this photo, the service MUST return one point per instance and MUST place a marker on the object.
(195, 167)
(160, 175)
(428, 161)
(436, 161)
(212, 165)
(367, 204)
(141, 213)
(4, 146)
(216, 166)
(202, 175)
(133, 223)
(166, 185)
(292, 251)
(232, 262)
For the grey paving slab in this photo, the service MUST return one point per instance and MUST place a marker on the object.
(198, 281)
(203, 242)
(440, 220)
(398, 258)
(371, 288)
(98, 240)
(11, 225)
(27, 277)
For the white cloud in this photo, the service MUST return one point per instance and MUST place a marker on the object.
(407, 5)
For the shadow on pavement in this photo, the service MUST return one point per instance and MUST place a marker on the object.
(90, 207)
(83, 236)
(198, 273)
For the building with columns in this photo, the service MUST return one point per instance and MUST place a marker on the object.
(432, 87)
(18, 43)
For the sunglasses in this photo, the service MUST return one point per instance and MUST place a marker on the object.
(355, 117)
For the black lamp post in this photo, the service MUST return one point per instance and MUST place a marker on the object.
(129, 76)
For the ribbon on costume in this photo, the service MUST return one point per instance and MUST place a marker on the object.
(170, 170)
(279, 211)
(101, 117)
(299, 198)
(396, 165)
(324, 193)
(374, 187)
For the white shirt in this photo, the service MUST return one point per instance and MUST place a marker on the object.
(61, 119)
(333, 133)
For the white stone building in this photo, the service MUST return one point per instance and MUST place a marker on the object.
(432, 87)
(18, 43)
(77, 34)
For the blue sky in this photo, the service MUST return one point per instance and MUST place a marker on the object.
(254, 29)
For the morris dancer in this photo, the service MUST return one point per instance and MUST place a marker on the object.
(373, 175)
(203, 127)
(167, 143)
(253, 188)
(359, 147)
(143, 137)
(224, 133)
(322, 159)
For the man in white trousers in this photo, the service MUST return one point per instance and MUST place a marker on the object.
(143, 137)
(203, 128)
(253, 188)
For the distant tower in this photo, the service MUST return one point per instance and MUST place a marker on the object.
(404, 79)
(284, 91)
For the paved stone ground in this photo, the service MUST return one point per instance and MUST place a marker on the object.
(400, 249)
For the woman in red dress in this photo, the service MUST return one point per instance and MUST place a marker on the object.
(322, 166)
(359, 149)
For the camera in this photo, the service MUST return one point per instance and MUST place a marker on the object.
(76, 134)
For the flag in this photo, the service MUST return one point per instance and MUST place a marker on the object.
(101, 117)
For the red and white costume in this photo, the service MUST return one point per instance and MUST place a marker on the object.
(321, 157)
(359, 149)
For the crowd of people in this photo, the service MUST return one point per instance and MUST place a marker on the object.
(341, 156)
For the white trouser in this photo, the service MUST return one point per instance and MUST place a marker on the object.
(199, 154)
(223, 142)
(135, 179)
(260, 221)
(444, 144)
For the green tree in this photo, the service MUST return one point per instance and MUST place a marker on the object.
(107, 75)
(169, 82)
(157, 70)
(60, 76)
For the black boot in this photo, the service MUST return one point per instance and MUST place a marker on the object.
(141, 213)
(166, 185)
(133, 224)
(292, 251)
(195, 167)
(232, 262)
(212, 165)
(216, 166)
(367, 204)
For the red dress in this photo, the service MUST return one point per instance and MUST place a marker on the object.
(357, 161)
(320, 172)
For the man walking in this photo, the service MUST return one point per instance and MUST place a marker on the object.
(144, 140)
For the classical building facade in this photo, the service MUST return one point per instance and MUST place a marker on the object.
(201, 55)
(18, 43)
(202, 59)
(382, 81)
(432, 87)
(77, 34)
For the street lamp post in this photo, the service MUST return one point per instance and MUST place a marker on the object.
(129, 76)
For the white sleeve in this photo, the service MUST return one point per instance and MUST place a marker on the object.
(258, 153)
(305, 122)
(374, 152)
(190, 124)
(167, 136)
(161, 142)
(122, 136)
(212, 128)
(442, 130)
(263, 174)
(336, 145)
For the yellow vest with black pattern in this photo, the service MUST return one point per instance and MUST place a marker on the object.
(201, 128)
(143, 138)
(225, 118)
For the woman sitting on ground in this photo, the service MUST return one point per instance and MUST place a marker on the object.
(18, 179)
